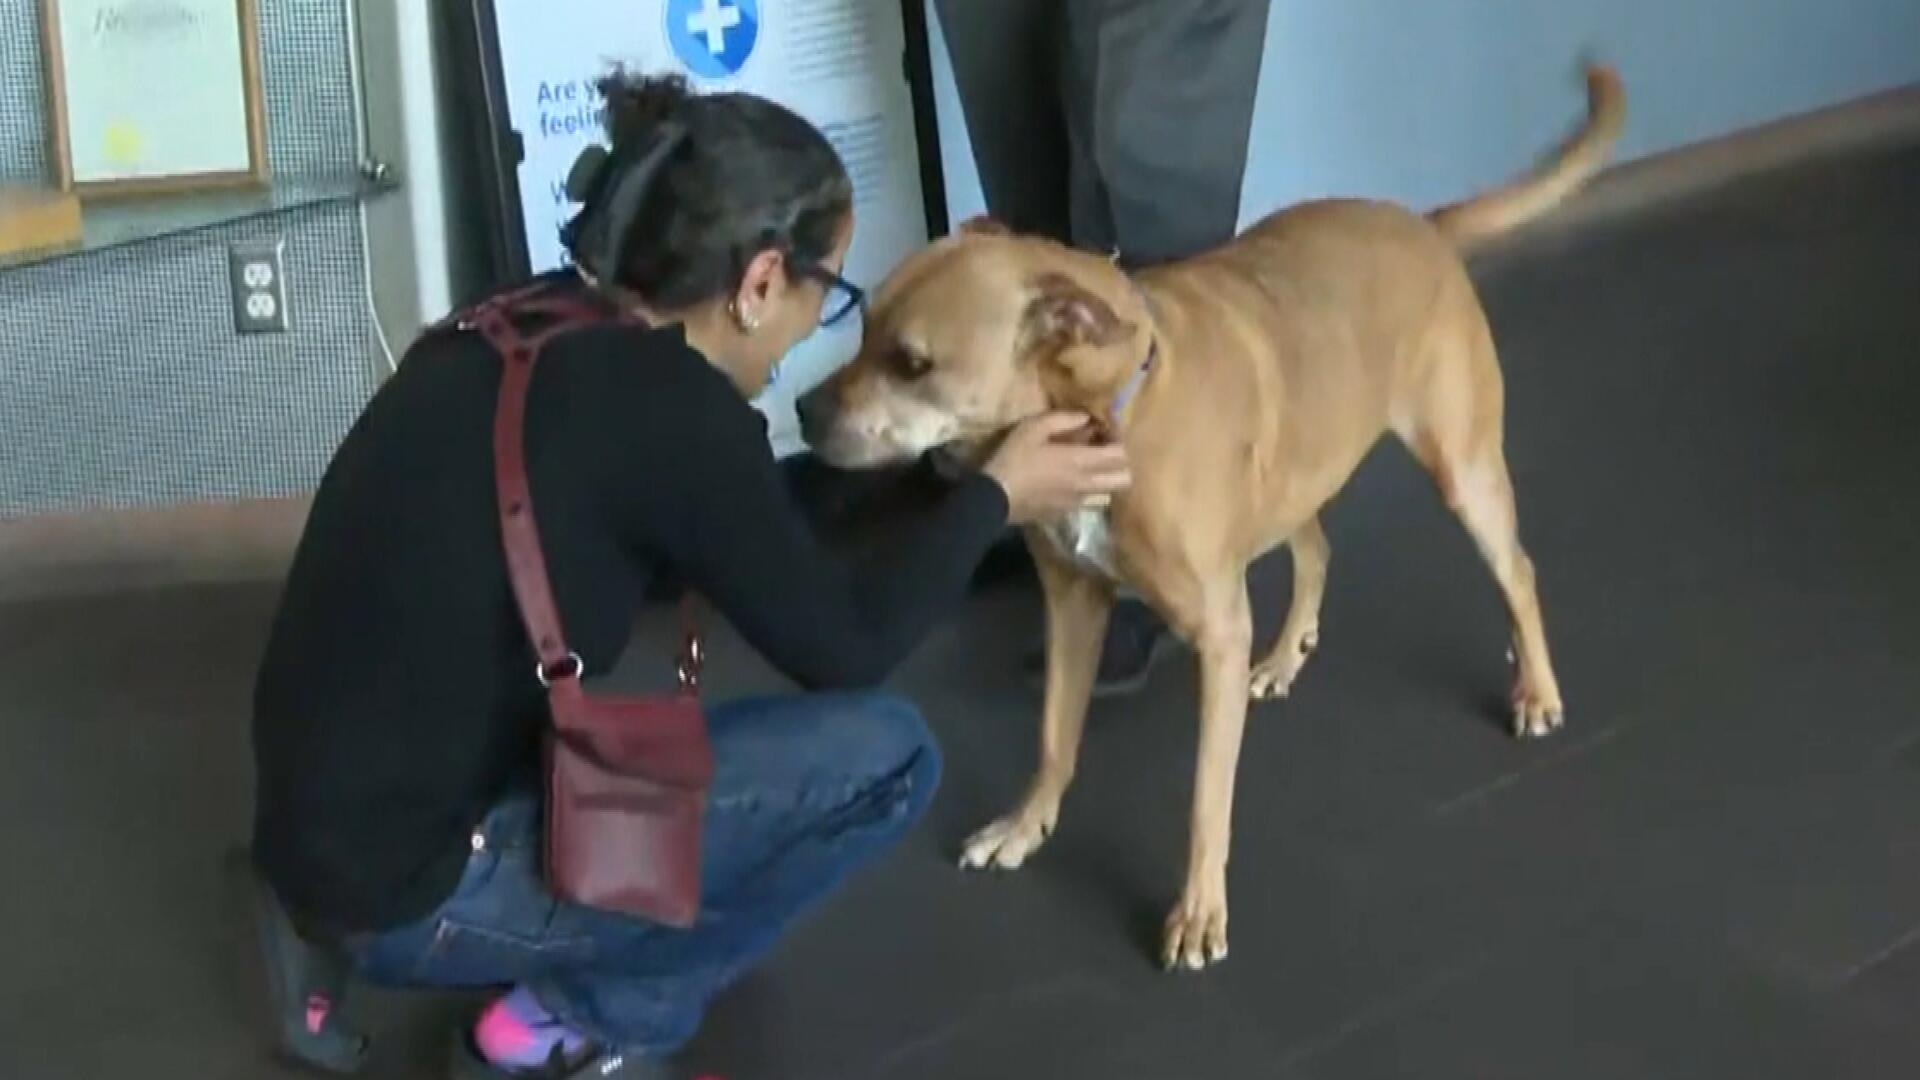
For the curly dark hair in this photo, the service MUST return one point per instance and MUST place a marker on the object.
(739, 175)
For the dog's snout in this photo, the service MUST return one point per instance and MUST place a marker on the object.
(815, 410)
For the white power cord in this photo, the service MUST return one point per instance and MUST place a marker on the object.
(356, 61)
(366, 280)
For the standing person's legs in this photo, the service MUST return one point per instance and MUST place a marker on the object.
(1005, 61)
(807, 790)
(1005, 58)
(1159, 102)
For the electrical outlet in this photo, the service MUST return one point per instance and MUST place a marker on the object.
(257, 276)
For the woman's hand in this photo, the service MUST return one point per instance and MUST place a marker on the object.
(1049, 467)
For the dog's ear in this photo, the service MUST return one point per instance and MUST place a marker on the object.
(1063, 314)
(983, 225)
(1069, 331)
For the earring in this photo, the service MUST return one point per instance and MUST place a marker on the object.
(747, 321)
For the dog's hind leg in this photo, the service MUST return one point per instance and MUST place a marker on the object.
(1482, 496)
(1458, 439)
(1273, 676)
(1077, 611)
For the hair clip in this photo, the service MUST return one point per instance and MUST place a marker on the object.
(610, 186)
(584, 178)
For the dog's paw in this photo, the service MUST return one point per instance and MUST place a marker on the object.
(1536, 712)
(1273, 677)
(1196, 931)
(1007, 843)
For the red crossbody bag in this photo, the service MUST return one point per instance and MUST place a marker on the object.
(626, 776)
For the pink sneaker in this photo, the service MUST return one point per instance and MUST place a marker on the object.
(516, 1038)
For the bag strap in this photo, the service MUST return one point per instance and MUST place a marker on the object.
(519, 533)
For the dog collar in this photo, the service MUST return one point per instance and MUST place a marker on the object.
(1139, 377)
(1135, 381)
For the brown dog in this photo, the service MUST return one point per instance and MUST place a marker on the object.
(1247, 384)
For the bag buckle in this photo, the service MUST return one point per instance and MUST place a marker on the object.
(693, 656)
(569, 666)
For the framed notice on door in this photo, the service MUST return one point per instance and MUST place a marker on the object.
(154, 96)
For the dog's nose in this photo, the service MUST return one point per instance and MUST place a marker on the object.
(815, 412)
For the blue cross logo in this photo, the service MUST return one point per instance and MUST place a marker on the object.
(713, 38)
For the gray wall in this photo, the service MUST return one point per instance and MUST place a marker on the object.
(121, 380)
(1426, 100)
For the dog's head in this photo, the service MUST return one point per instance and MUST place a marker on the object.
(968, 338)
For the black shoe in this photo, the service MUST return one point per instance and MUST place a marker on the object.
(1136, 642)
(592, 1063)
(306, 983)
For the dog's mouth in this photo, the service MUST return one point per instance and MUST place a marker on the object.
(845, 448)
(970, 450)
(952, 461)
(959, 457)
(954, 444)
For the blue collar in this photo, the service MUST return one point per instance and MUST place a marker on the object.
(1135, 381)
(1139, 377)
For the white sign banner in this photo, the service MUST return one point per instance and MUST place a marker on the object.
(836, 62)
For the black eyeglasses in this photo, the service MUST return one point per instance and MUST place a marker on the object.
(843, 296)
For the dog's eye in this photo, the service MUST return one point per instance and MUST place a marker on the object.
(911, 363)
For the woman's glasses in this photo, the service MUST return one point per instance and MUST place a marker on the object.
(843, 296)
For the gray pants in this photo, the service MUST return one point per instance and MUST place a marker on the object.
(1110, 124)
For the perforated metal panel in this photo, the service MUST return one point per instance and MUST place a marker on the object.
(23, 140)
(121, 379)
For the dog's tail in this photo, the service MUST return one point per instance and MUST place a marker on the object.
(1576, 162)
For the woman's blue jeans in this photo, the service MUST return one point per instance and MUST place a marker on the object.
(806, 790)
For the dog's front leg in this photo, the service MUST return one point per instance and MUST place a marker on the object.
(1077, 610)
(1196, 933)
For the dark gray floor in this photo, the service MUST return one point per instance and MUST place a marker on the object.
(1714, 872)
